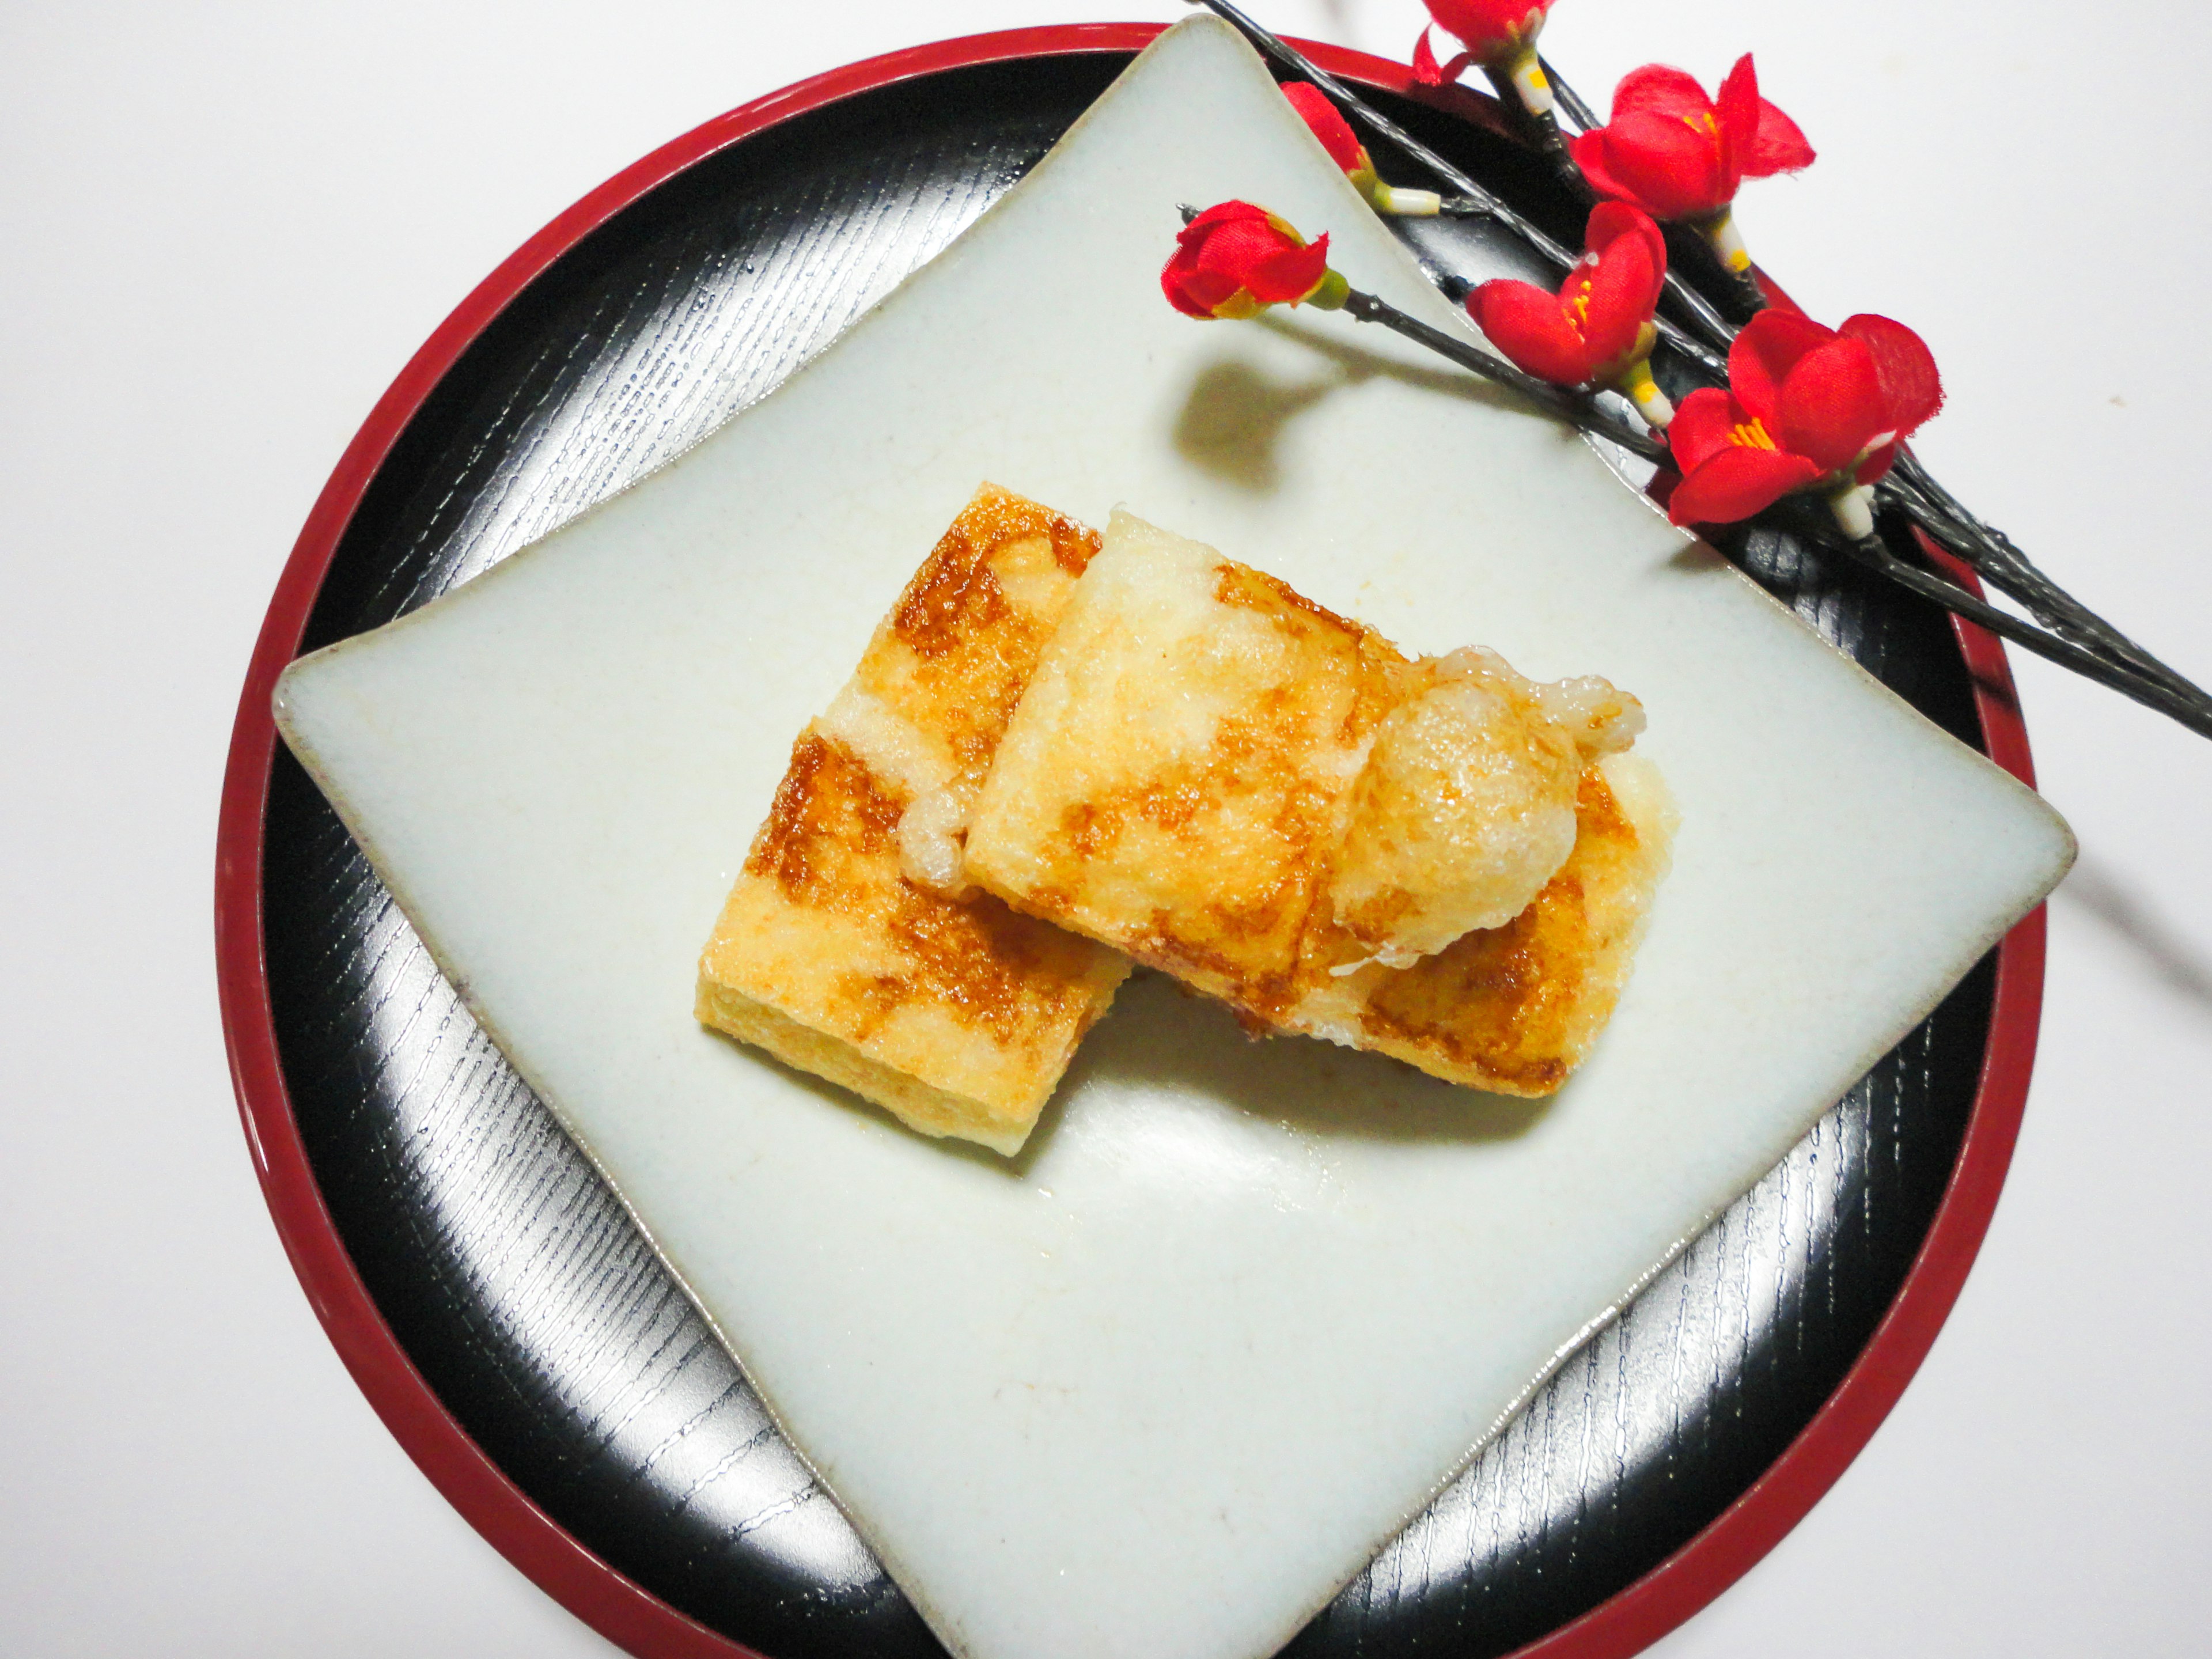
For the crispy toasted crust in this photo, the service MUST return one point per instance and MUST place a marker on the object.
(957, 1018)
(1177, 779)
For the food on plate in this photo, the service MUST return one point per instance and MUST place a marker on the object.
(850, 946)
(1436, 859)
(1055, 756)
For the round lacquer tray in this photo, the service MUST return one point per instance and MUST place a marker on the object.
(494, 1299)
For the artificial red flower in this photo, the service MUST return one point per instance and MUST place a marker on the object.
(1806, 405)
(1234, 259)
(1678, 154)
(1345, 148)
(1597, 329)
(1494, 33)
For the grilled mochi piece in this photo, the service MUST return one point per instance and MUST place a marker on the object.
(1435, 859)
(939, 1004)
(1177, 772)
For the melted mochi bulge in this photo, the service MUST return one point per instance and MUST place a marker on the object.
(933, 839)
(1464, 806)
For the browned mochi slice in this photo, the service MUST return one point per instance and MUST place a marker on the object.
(957, 1016)
(1182, 780)
(1175, 775)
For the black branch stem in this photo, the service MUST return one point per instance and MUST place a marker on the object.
(1875, 554)
(1579, 408)
(1543, 132)
(1583, 117)
(1992, 556)
(1583, 411)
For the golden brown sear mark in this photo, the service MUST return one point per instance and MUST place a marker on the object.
(1496, 999)
(1255, 590)
(974, 647)
(954, 595)
(1073, 545)
(955, 592)
(980, 963)
(995, 968)
(828, 808)
(830, 840)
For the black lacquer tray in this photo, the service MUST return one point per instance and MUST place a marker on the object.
(495, 1300)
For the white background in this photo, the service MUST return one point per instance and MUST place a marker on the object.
(223, 229)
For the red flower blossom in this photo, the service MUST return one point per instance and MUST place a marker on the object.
(1678, 154)
(1806, 405)
(1491, 31)
(1494, 33)
(1234, 259)
(1599, 324)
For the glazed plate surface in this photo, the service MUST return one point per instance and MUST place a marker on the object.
(1168, 1381)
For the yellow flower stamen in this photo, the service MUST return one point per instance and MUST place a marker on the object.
(1752, 435)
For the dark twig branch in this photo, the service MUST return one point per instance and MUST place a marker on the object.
(1544, 134)
(1576, 407)
(1583, 411)
(1583, 117)
(1873, 552)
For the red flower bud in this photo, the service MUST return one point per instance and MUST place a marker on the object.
(1600, 322)
(1334, 132)
(1678, 154)
(1345, 148)
(1234, 259)
(1806, 405)
(1491, 31)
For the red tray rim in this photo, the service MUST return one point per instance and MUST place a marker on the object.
(624, 1612)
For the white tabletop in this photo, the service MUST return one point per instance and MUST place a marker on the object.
(222, 230)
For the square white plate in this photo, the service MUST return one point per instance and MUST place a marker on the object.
(1164, 1383)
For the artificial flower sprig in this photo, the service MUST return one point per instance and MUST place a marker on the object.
(1473, 199)
(1842, 400)
(1740, 136)
(1235, 260)
(1668, 148)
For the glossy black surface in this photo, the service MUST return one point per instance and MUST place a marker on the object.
(519, 1284)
